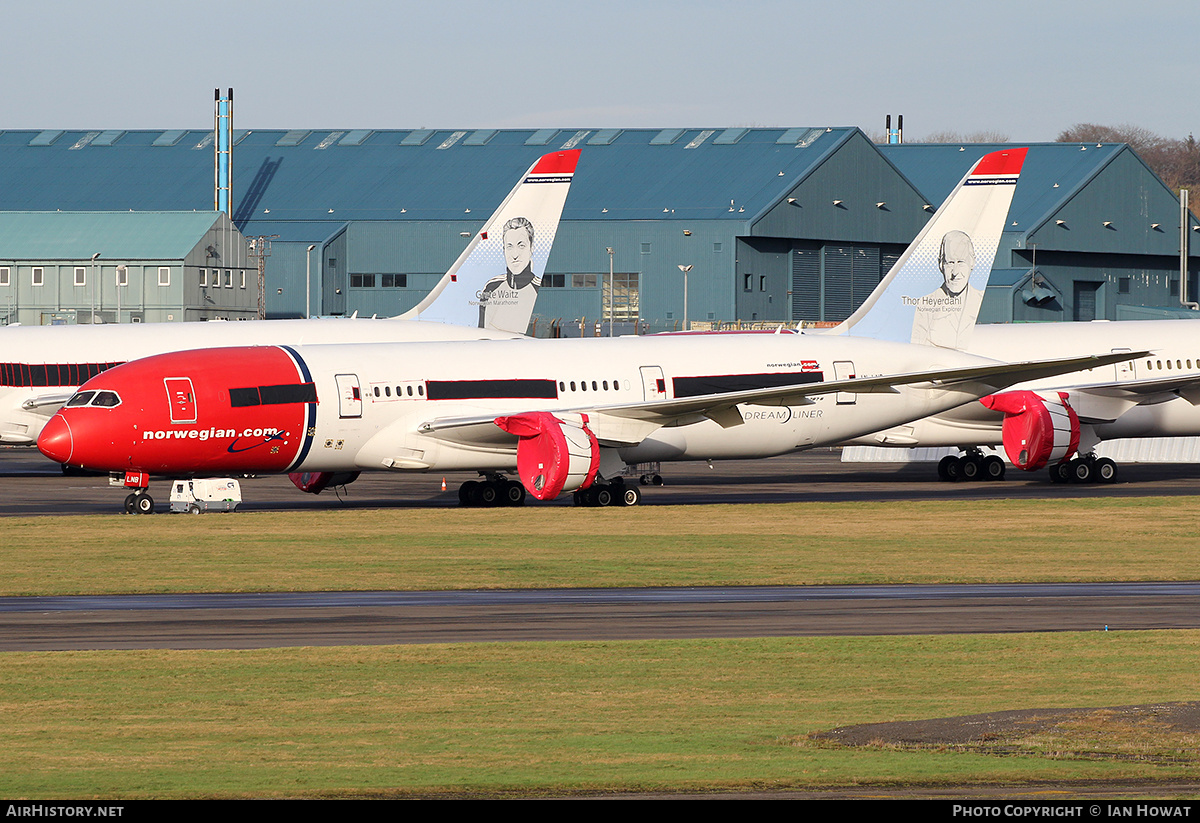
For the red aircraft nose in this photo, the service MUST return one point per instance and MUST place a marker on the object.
(55, 440)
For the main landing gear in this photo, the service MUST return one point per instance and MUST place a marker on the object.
(139, 503)
(615, 493)
(971, 466)
(1086, 469)
(495, 490)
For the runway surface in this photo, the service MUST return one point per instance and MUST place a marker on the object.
(32, 485)
(242, 621)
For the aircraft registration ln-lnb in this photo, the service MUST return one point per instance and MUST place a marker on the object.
(566, 416)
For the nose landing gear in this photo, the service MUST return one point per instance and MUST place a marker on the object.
(139, 503)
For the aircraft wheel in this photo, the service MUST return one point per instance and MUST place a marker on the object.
(514, 494)
(144, 504)
(603, 497)
(468, 493)
(656, 480)
(970, 468)
(488, 494)
(949, 468)
(631, 496)
(1081, 471)
(993, 468)
(644, 480)
(1106, 470)
(130, 504)
(1060, 473)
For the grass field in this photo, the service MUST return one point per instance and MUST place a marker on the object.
(798, 543)
(545, 718)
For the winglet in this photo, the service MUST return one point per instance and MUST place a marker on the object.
(495, 281)
(933, 294)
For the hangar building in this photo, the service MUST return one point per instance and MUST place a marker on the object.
(106, 267)
(778, 225)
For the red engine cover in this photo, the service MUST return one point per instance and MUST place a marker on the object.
(554, 455)
(1038, 428)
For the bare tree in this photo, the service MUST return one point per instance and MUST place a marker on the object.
(1139, 139)
(984, 136)
(1177, 162)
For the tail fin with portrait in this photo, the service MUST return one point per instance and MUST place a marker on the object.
(479, 289)
(933, 294)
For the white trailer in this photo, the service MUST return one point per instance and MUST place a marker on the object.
(220, 494)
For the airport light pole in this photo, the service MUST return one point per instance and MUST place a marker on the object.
(685, 270)
(611, 291)
(308, 281)
(122, 270)
(94, 279)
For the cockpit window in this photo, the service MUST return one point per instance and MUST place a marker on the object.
(107, 399)
(81, 398)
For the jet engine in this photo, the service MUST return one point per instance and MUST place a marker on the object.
(555, 453)
(1038, 428)
(317, 482)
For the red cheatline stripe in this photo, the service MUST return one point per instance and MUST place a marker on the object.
(559, 162)
(1008, 161)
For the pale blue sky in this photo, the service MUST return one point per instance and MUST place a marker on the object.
(1028, 69)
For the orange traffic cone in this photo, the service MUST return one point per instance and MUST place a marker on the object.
(443, 484)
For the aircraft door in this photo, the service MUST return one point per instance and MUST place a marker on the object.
(182, 399)
(1126, 370)
(349, 396)
(654, 385)
(844, 370)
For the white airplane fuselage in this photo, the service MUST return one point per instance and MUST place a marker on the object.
(1104, 408)
(432, 406)
(27, 353)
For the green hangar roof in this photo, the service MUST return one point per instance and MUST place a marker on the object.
(296, 183)
(1059, 169)
(1071, 196)
(118, 235)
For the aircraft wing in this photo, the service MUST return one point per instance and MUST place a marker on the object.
(1153, 390)
(1102, 402)
(46, 404)
(630, 423)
